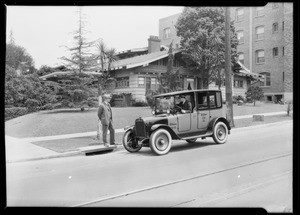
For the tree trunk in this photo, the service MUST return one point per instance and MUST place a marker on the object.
(228, 68)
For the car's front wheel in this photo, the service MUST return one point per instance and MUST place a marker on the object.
(160, 141)
(220, 133)
(129, 143)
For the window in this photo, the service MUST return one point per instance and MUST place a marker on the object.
(239, 14)
(275, 28)
(260, 56)
(218, 97)
(241, 57)
(122, 82)
(240, 36)
(275, 52)
(212, 100)
(283, 76)
(259, 33)
(190, 83)
(267, 81)
(259, 11)
(153, 84)
(283, 51)
(167, 32)
(202, 101)
(283, 26)
(215, 100)
(238, 83)
(141, 81)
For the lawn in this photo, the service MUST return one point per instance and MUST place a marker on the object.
(57, 122)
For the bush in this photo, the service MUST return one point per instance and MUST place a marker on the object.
(32, 105)
(137, 103)
(14, 112)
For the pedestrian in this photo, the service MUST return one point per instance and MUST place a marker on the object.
(105, 116)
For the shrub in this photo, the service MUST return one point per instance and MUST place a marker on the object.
(137, 103)
(32, 105)
(14, 112)
(254, 93)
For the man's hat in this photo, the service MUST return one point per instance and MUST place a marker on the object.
(106, 96)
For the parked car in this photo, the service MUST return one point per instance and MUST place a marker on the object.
(169, 122)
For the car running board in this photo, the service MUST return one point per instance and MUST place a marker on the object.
(207, 134)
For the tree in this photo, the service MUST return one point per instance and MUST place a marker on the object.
(170, 80)
(254, 93)
(202, 32)
(18, 58)
(81, 58)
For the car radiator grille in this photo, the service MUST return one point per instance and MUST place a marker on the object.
(140, 128)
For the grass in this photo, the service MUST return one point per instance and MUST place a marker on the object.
(57, 122)
(67, 145)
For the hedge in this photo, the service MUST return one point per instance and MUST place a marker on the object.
(14, 112)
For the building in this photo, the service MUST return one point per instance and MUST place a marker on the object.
(265, 37)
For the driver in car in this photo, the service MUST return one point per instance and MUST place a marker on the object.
(185, 105)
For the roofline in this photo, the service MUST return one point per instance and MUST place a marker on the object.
(144, 63)
(185, 92)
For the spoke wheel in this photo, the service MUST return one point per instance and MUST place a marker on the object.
(160, 141)
(220, 133)
(129, 143)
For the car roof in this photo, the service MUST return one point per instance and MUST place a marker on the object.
(184, 92)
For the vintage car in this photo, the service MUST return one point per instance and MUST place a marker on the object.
(207, 118)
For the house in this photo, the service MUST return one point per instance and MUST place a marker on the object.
(138, 70)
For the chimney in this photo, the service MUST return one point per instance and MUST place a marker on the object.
(153, 44)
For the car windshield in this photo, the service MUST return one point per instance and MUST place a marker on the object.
(162, 104)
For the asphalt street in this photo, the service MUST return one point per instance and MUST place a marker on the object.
(253, 160)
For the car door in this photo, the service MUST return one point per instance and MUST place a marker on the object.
(202, 111)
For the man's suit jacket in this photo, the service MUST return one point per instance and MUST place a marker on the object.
(186, 105)
(104, 113)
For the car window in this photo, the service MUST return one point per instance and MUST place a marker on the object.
(212, 101)
(202, 101)
(215, 100)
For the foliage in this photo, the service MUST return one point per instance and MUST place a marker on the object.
(81, 58)
(14, 112)
(202, 32)
(235, 99)
(169, 81)
(28, 91)
(138, 103)
(254, 93)
(150, 99)
(17, 58)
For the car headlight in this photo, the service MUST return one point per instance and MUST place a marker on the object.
(168, 111)
(153, 112)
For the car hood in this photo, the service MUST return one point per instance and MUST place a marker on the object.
(158, 119)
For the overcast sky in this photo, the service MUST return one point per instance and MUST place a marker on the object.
(43, 30)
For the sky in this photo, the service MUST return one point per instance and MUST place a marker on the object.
(44, 31)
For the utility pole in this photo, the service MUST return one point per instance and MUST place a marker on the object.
(228, 77)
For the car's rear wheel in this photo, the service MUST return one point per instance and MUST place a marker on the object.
(160, 141)
(191, 140)
(220, 133)
(129, 142)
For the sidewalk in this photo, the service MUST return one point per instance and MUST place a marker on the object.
(18, 150)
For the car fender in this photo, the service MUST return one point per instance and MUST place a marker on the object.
(213, 121)
(127, 128)
(164, 126)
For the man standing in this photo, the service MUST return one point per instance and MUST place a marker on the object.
(105, 116)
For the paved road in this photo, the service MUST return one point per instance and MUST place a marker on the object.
(191, 175)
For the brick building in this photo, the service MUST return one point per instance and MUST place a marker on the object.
(266, 46)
